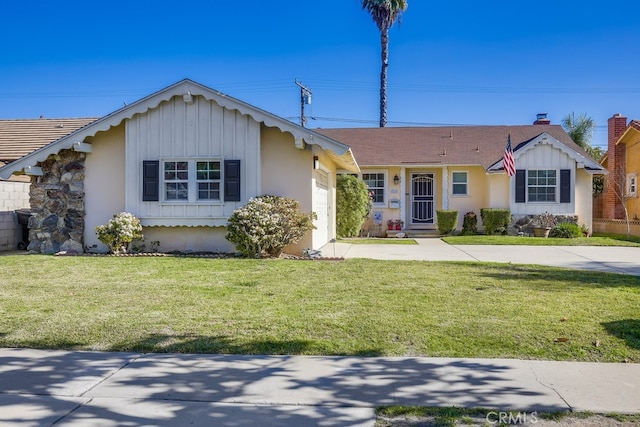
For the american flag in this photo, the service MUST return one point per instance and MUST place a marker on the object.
(508, 161)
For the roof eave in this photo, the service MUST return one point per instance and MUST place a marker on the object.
(185, 88)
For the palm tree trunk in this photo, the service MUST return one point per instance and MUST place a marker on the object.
(384, 42)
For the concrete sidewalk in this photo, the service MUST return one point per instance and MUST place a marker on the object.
(615, 259)
(60, 388)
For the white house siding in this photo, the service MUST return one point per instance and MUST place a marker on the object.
(202, 129)
(545, 156)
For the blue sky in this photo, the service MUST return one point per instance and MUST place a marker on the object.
(451, 62)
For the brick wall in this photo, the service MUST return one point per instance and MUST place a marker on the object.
(13, 196)
(612, 205)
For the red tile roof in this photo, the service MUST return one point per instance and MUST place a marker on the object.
(22, 136)
(447, 145)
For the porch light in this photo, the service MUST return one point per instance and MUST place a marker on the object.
(396, 180)
(316, 162)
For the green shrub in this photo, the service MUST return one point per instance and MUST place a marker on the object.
(567, 230)
(447, 221)
(495, 220)
(353, 205)
(119, 232)
(469, 224)
(266, 225)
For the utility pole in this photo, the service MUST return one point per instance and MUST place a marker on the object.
(305, 99)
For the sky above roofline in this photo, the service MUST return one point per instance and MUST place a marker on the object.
(453, 63)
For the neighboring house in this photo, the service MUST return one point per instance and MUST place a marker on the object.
(182, 160)
(621, 185)
(18, 138)
(415, 171)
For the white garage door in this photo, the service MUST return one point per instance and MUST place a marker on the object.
(321, 208)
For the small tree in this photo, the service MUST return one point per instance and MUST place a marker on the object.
(267, 224)
(119, 232)
(353, 205)
(619, 188)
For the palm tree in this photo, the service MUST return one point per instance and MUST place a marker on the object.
(580, 128)
(384, 13)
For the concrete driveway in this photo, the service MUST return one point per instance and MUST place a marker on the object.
(612, 259)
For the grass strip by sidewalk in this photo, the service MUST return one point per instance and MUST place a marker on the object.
(604, 240)
(353, 307)
(406, 416)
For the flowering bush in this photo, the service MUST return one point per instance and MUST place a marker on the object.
(266, 224)
(119, 232)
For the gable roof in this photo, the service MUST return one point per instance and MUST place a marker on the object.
(633, 128)
(338, 151)
(22, 136)
(446, 145)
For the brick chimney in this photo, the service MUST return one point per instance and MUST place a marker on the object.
(541, 119)
(613, 208)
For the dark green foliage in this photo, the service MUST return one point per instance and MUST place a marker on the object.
(352, 205)
(470, 224)
(447, 221)
(567, 230)
(495, 220)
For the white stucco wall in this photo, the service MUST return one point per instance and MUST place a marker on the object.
(104, 183)
(584, 198)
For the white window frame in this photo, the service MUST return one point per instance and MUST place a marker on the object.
(465, 183)
(192, 181)
(632, 185)
(555, 186)
(384, 188)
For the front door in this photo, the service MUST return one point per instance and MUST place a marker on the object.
(422, 199)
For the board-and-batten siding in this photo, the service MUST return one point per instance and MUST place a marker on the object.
(545, 156)
(178, 130)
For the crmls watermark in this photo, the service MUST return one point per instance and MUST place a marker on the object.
(510, 418)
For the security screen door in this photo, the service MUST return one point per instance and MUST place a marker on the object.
(422, 198)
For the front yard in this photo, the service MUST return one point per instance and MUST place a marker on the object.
(352, 307)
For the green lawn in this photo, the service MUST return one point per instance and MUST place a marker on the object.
(596, 240)
(352, 307)
(378, 241)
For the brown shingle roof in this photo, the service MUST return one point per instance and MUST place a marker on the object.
(22, 136)
(448, 145)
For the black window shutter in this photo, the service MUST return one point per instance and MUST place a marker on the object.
(232, 180)
(521, 185)
(150, 180)
(565, 186)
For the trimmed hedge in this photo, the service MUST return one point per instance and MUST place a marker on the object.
(447, 221)
(495, 220)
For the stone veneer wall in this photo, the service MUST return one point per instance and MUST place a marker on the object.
(57, 205)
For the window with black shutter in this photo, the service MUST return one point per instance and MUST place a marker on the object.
(521, 186)
(150, 180)
(232, 180)
(565, 186)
